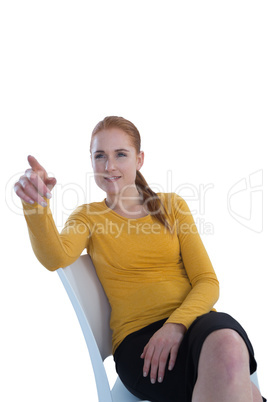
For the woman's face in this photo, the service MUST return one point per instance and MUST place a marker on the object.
(115, 161)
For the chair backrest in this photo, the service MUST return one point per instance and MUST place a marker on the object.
(81, 281)
(93, 312)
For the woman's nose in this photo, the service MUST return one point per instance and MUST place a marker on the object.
(110, 165)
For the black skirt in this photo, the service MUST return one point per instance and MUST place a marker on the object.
(179, 382)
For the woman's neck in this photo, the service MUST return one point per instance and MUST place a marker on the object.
(129, 204)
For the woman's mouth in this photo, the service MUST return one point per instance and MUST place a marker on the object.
(112, 178)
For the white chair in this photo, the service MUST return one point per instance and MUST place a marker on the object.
(93, 312)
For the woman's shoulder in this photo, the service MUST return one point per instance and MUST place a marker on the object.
(171, 198)
(174, 203)
(90, 209)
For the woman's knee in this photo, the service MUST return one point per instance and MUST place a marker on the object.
(226, 352)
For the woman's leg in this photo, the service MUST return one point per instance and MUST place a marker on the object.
(223, 370)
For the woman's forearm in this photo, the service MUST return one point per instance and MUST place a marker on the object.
(53, 249)
(199, 301)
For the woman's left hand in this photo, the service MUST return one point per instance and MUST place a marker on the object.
(163, 344)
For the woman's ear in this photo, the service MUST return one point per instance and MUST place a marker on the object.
(140, 159)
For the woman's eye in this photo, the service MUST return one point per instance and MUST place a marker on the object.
(99, 156)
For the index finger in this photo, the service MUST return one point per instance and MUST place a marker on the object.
(148, 354)
(35, 165)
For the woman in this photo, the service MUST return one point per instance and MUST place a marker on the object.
(169, 344)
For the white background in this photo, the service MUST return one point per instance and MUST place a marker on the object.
(192, 76)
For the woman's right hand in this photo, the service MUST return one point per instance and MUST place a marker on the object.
(35, 184)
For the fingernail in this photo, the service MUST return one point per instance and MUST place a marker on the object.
(144, 374)
(48, 195)
(159, 379)
(31, 202)
(44, 204)
(152, 380)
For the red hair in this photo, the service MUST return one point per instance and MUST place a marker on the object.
(153, 203)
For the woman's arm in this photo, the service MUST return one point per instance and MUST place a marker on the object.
(204, 282)
(200, 300)
(53, 250)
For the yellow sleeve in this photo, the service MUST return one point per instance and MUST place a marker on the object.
(53, 249)
(205, 286)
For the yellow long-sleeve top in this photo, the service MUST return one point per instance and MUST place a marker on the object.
(148, 272)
